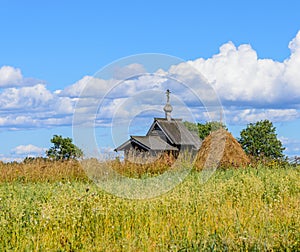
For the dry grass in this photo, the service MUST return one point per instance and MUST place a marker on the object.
(41, 170)
(146, 166)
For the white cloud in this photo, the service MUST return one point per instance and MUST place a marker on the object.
(65, 105)
(95, 87)
(19, 120)
(10, 76)
(291, 76)
(10, 158)
(34, 106)
(75, 89)
(245, 116)
(125, 72)
(25, 98)
(28, 150)
(20, 152)
(239, 76)
(292, 146)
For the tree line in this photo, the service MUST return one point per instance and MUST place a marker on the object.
(258, 140)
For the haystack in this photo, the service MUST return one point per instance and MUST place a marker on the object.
(221, 149)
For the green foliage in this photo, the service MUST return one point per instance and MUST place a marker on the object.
(260, 140)
(191, 126)
(63, 149)
(205, 129)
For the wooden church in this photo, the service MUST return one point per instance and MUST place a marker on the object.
(166, 135)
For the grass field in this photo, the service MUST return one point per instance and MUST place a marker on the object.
(59, 209)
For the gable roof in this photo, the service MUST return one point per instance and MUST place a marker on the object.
(148, 143)
(154, 142)
(176, 132)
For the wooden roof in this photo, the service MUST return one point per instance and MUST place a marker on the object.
(148, 143)
(176, 132)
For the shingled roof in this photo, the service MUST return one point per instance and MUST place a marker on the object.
(148, 143)
(176, 132)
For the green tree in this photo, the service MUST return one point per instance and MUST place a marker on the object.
(260, 140)
(63, 149)
(191, 126)
(204, 130)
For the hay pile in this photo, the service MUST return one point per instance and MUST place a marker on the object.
(221, 149)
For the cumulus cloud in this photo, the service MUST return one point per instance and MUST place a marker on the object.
(20, 152)
(91, 86)
(28, 150)
(239, 76)
(291, 75)
(10, 76)
(34, 106)
(25, 98)
(245, 116)
(125, 72)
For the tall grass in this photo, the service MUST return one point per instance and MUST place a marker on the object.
(41, 170)
(248, 209)
(44, 170)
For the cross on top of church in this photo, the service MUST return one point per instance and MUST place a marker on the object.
(168, 95)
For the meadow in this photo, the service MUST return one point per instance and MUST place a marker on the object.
(54, 207)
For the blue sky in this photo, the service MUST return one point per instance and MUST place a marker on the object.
(248, 50)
